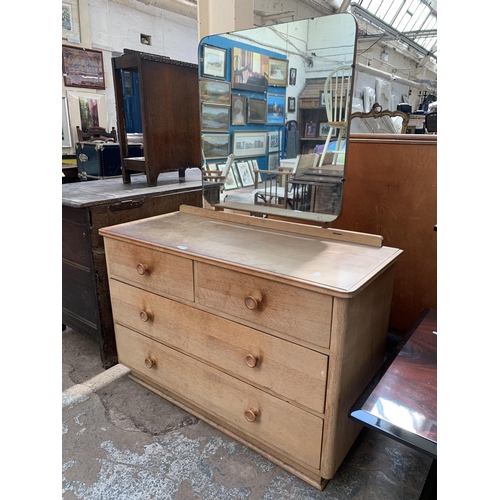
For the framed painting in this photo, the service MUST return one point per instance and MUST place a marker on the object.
(278, 72)
(214, 62)
(291, 104)
(249, 143)
(310, 130)
(214, 118)
(293, 76)
(249, 70)
(66, 132)
(274, 141)
(82, 68)
(322, 103)
(70, 21)
(230, 181)
(245, 173)
(256, 110)
(239, 109)
(275, 109)
(273, 161)
(323, 129)
(215, 145)
(255, 166)
(215, 92)
(86, 109)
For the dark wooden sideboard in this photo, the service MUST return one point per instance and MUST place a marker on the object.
(88, 206)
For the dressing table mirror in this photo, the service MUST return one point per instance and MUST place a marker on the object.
(272, 99)
(379, 122)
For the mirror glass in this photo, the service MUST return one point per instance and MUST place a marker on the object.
(272, 99)
(379, 122)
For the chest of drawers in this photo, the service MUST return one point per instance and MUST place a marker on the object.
(267, 330)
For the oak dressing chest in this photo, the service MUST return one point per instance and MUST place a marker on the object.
(267, 330)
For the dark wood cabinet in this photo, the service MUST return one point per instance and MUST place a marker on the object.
(169, 113)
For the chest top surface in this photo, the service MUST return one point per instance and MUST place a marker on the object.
(336, 267)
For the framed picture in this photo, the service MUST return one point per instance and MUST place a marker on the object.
(245, 173)
(86, 109)
(66, 133)
(239, 109)
(230, 181)
(256, 110)
(249, 70)
(273, 161)
(293, 76)
(291, 104)
(310, 130)
(274, 141)
(255, 166)
(249, 143)
(278, 72)
(275, 109)
(70, 21)
(215, 92)
(214, 62)
(215, 145)
(322, 103)
(214, 118)
(323, 129)
(82, 68)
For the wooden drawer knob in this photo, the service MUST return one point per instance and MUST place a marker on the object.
(145, 316)
(251, 360)
(150, 362)
(253, 301)
(142, 269)
(251, 414)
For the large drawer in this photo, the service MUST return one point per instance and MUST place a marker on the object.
(296, 312)
(156, 271)
(276, 423)
(288, 370)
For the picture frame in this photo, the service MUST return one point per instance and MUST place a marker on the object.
(214, 62)
(236, 175)
(250, 143)
(66, 131)
(255, 166)
(257, 110)
(323, 129)
(238, 109)
(273, 138)
(70, 21)
(230, 181)
(214, 118)
(86, 109)
(291, 105)
(249, 70)
(322, 103)
(215, 145)
(215, 92)
(275, 109)
(278, 72)
(293, 76)
(310, 130)
(246, 175)
(273, 161)
(82, 68)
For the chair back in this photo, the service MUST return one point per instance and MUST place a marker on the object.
(431, 122)
(96, 134)
(337, 93)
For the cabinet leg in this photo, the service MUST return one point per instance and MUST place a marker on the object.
(125, 176)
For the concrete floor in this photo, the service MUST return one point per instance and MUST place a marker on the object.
(122, 442)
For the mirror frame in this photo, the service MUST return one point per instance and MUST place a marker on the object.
(376, 112)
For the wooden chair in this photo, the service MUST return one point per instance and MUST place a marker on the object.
(277, 189)
(96, 134)
(337, 94)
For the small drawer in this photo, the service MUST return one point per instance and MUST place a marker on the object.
(159, 272)
(286, 369)
(258, 415)
(296, 312)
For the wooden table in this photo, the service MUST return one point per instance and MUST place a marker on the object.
(401, 400)
(88, 206)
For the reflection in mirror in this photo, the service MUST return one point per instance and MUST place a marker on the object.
(379, 122)
(273, 100)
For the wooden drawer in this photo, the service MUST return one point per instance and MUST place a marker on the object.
(278, 424)
(296, 312)
(161, 273)
(286, 369)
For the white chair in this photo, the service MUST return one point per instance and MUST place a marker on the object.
(337, 93)
(276, 189)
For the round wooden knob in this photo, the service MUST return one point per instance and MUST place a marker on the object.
(253, 301)
(150, 362)
(251, 360)
(145, 316)
(251, 414)
(142, 269)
